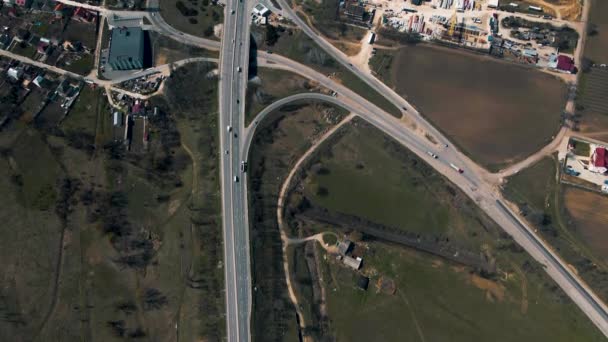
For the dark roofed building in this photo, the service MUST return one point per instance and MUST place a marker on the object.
(565, 63)
(355, 11)
(126, 49)
(363, 282)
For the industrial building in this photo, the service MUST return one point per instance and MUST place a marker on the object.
(355, 11)
(261, 10)
(126, 49)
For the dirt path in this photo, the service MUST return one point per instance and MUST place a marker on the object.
(285, 240)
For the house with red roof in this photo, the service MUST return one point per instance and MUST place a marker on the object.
(565, 63)
(599, 160)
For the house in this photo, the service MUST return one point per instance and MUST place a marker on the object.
(126, 48)
(15, 73)
(599, 160)
(43, 46)
(492, 3)
(565, 63)
(23, 3)
(344, 247)
(355, 11)
(5, 40)
(84, 15)
(117, 119)
(261, 10)
(552, 61)
(354, 263)
(41, 82)
(363, 282)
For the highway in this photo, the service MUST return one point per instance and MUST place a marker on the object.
(234, 66)
(474, 180)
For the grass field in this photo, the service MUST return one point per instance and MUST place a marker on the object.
(166, 50)
(282, 137)
(82, 66)
(596, 47)
(200, 23)
(518, 302)
(589, 213)
(273, 85)
(297, 46)
(555, 212)
(592, 104)
(132, 241)
(496, 112)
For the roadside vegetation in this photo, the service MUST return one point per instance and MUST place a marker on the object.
(281, 138)
(297, 46)
(123, 253)
(196, 17)
(496, 112)
(270, 85)
(167, 50)
(564, 216)
(427, 250)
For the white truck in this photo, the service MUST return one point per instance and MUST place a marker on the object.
(459, 170)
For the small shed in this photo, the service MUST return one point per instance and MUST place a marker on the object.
(344, 247)
(353, 263)
(363, 282)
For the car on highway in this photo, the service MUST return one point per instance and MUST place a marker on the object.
(236, 179)
(239, 69)
(243, 166)
(227, 152)
(232, 12)
(229, 128)
(432, 154)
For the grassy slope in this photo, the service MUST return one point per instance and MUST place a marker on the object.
(205, 20)
(536, 191)
(526, 305)
(297, 46)
(274, 85)
(282, 137)
(92, 283)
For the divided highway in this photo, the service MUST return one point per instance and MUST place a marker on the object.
(235, 144)
(234, 61)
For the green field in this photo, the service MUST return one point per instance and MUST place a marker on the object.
(596, 47)
(297, 46)
(517, 301)
(131, 241)
(273, 85)
(559, 214)
(281, 138)
(199, 23)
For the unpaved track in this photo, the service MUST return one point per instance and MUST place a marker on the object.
(285, 240)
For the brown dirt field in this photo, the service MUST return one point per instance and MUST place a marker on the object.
(492, 288)
(596, 47)
(496, 111)
(589, 212)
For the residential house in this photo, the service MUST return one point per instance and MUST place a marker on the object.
(599, 160)
(566, 64)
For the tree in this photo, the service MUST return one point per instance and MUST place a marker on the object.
(272, 35)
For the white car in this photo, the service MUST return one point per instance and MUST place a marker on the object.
(236, 179)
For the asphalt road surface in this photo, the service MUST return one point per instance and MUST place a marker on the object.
(234, 61)
(473, 180)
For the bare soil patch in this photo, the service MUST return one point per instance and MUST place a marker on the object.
(497, 112)
(589, 214)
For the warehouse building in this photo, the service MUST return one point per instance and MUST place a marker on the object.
(126, 49)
